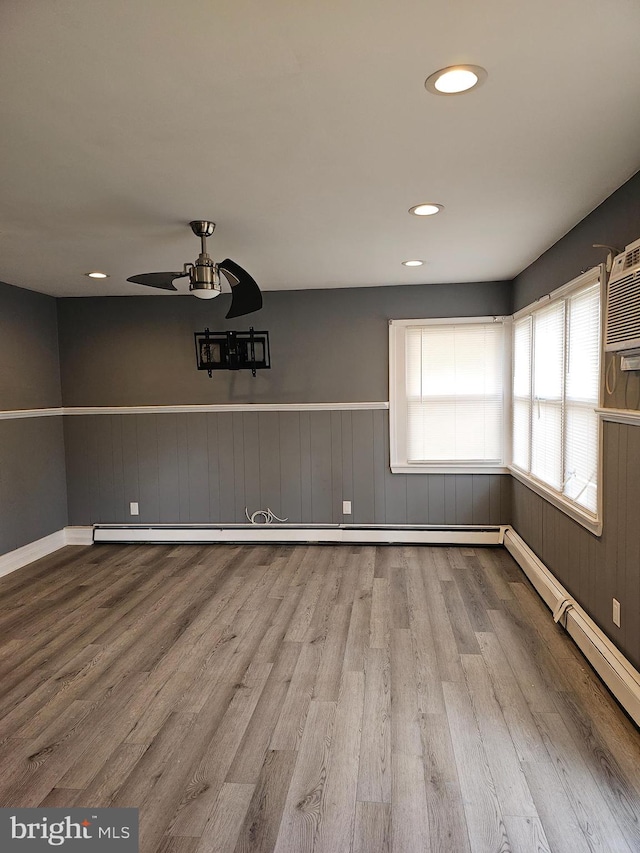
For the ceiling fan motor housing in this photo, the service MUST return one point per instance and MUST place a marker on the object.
(203, 276)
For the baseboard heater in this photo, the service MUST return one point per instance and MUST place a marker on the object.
(301, 533)
(622, 679)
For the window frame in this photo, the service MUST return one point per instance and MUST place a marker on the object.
(591, 521)
(398, 399)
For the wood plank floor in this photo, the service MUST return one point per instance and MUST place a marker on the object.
(295, 698)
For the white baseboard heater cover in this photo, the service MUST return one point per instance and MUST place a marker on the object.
(309, 533)
(622, 679)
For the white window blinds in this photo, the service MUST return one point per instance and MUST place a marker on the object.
(522, 394)
(548, 381)
(454, 393)
(556, 380)
(581, 398)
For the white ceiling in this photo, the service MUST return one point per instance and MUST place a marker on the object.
(303, 129)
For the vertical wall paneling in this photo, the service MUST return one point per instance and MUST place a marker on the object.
(363, 476)
(435, 498)
(93, 456)
(168, 471)
(629, 579)
(596, 569)
(612, 434)
(206, 467)
(320, 446)
(306, 499)
(417, 498)
(76, 455)
(347, 462)
(252, 454)
(290, 456)
(450, 500)
(148, 465)
(6, 534)
(617, 581)
(380, 465)
(395, 486)
(269, 474)
(505, 503)
(33, 497)
(182, 431)
(129, 462)
(494, 498)
(464, 497)
(480, 497)
(118, 470)
(226, 466)
(337, 469)
(213, 466)
(106, 494)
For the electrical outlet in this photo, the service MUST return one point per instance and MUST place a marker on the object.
(346, 507)
(134, 509)
(616, 612)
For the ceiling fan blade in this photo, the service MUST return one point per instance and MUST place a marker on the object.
(245, 293)
(163, 280)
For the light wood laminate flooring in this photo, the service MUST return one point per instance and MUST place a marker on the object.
(310, 698)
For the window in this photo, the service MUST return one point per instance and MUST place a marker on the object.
(556, 392)
(448, 381)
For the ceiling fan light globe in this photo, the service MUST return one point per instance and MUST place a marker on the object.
(205, 292)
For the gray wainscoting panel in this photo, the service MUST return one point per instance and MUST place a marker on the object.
(625, 384)
(207, 467)
(33, 497)
(596, 569)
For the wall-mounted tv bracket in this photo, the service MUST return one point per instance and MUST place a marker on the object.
(232, 351)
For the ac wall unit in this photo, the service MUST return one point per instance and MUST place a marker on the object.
(622, 329)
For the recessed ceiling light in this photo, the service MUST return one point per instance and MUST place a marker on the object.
(426, 209)
(412, 263)
(97, 274)
(455, 79)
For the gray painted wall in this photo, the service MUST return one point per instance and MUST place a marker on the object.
(593, 569)
(207, 467)
(326, 345)
(33, 496)
(616, 222)
(29, 364)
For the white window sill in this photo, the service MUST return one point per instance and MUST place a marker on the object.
(591, 522)
(449, 469)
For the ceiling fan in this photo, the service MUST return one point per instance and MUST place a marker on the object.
(204, 277)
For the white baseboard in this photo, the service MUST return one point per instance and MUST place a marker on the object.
(33, 551)
(622, 679)
(408, 534)
(78, 535)
(20, 557)
(261, 533)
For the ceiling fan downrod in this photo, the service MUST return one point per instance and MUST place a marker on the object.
(204, 280)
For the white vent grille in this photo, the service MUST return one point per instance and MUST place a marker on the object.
(623, 302)
(632, 259)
